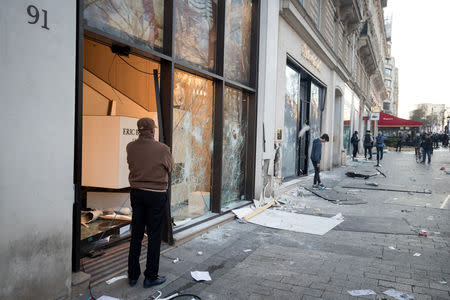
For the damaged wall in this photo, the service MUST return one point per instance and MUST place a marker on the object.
(36, 166)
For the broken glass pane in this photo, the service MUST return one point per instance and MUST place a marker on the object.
(238, 25)
(192, 145)
(234, 146)
(135, 21)
(290, 139)
(196, 31)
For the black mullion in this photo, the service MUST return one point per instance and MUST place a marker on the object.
(168, 33)
(254, 44)
(220, 41)
(216, 185)
(76, 211)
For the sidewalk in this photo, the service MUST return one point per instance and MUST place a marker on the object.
(354, 255)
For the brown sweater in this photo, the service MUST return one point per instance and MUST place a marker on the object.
(150, 163)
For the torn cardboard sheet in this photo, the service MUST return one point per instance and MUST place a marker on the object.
(290, 221)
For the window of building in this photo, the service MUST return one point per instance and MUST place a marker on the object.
(386, 106)
(387, 83)
(388, 71)
(386, 61)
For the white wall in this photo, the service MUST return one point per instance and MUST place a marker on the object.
(267, 79)
(37, 84)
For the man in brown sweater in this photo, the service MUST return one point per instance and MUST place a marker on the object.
(150, 163)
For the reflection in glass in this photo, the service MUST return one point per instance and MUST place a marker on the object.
(234, 146)
(291, 107)
(195, 31)
(238, 24)
(347, 115)
(136, 21)
(192, 145)
(315, 116)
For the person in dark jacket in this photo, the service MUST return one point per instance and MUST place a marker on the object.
(368, 144)
(379, 145)
(150, 163)
(399, 142)
(354, 141)
(427, 147)
(417, 142)
(316, 155)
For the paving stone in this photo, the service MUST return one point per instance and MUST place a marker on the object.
(395, 285)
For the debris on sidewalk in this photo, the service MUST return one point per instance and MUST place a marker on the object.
(200, 253)
(201, 275)
(107, 298)
(423, 232)
(417, 254)
(114, 279)
(398, 294)
(430, 218)
(443, 281)
(336, 197)
(371, 183)
(247, 250)
(442, 169)
(361, 292)
(385, 189)
(338, 216)
(290, 221)
(176, 260)
(392, 248)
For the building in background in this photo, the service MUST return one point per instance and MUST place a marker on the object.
(390, 103)
(328, 74)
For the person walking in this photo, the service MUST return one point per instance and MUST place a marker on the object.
(379, 144)
(150, 163)
(354, 141)
(399, 142)
(427, 146)
(368, 144)
(417, 142)
(316, 155)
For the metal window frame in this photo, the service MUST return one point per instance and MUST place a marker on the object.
(168, 64)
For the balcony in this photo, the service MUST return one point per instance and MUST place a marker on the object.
(349, 13)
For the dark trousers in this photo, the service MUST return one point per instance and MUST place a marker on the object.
(425, 154)
(399, 147)
(379, 154)
(368, 149)
(316, 173)
(148, 211)
(355, 150)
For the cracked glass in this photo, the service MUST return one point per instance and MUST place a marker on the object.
(238, 35)
(135, 21)
(192, 145)
(195, 24)
(234, 146)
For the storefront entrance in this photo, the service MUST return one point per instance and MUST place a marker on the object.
(303, 109)
(188, 67)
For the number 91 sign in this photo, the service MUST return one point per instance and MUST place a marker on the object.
(33, 12)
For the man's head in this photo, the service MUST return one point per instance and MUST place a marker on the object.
(146, 126)
(356, 132)
(368, 131)
(324, 138)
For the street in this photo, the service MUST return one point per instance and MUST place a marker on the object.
(375, 247)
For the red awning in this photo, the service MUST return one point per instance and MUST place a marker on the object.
(387, 120)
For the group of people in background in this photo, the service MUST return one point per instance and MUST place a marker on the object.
(425, 143)
(369, 142)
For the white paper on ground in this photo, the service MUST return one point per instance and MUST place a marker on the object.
(124, 229)
(248, 250)
(392, 248)
(339, 216)
(417, 254)
(201, 276)
(361, 292)
(398, 294)
(114, 279)
(107, 298)
(290, 221)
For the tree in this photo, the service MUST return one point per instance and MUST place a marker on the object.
(419, 114)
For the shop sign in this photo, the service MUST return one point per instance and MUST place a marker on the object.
(309, 55)
(374, 116)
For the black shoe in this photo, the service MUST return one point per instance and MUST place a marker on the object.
(149, 283)
(132, 282)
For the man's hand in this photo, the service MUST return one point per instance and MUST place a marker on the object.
(318, 165)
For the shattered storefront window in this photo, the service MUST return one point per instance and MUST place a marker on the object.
(192, 146)
(291, 107)
(234, 146)
(347, 115)
(238, 25)
(315, 116)
(196, 31)
(135, 21)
